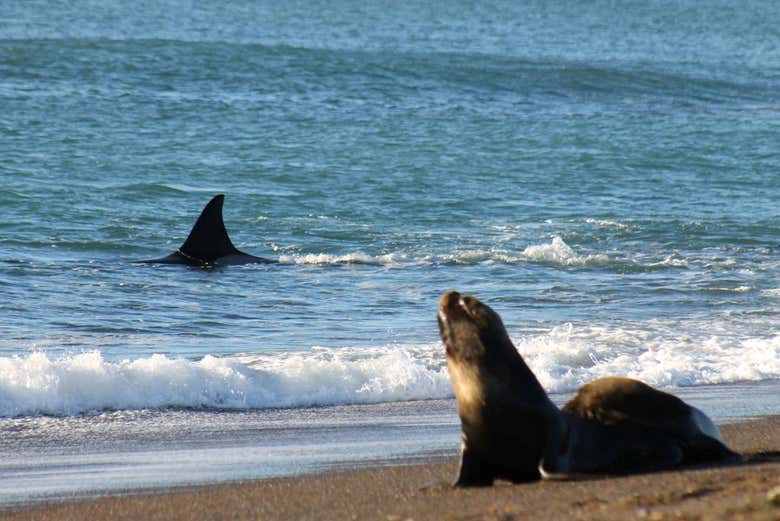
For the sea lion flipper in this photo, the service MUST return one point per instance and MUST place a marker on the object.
(703, 449)
(652, 453)
(473, 470)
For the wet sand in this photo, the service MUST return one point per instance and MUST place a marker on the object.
(749, 491)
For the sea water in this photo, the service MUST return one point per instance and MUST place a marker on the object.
(605, 175)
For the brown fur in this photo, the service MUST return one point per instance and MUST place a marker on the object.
(613, 400)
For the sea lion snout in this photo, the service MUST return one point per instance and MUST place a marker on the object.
(462, 321)
(449, 305)
(456, 312)
(453, 317)
(454, 306)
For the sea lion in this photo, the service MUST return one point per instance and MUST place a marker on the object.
(504, 412)
(511, 430)
(657, 430)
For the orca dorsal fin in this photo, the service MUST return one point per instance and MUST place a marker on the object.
(208, 243)
(208, 240)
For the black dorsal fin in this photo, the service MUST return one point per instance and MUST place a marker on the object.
(208, 239)
(208, 243)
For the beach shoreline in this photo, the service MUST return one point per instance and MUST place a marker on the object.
(421, 491)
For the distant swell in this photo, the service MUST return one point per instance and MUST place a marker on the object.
(563, 359)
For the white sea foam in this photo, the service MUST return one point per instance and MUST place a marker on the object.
(563, 359)
(560, 253)
(557, 252)
(398, 260)
(671, 261)
(477, 256)
(566, 358)
(389, 260)
(606, 223)
(38, 384)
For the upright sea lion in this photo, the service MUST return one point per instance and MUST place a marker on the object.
(511, 430)
(505, 414)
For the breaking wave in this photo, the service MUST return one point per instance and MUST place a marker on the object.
(388, 260)
(563, 359)
(37, 384)
(560, 253)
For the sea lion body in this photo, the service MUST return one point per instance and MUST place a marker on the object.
(631, 427)
(503, 409)
(614, 400)
(511, 430)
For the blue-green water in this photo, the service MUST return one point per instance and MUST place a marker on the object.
(604, 174)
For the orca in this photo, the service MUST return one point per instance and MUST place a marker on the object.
(208, 244)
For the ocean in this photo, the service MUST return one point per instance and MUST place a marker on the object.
(604, 174)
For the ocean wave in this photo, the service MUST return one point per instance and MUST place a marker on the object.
(568, 357)
(563, 359)
(738, 289)
(560, 253)
(38, 384)
(607, 223)
(388, 260)
(671, 261)
(556, 253)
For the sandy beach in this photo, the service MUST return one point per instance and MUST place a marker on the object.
(421, 492)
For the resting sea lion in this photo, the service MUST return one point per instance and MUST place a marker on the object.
(511, 430)
(651, 429)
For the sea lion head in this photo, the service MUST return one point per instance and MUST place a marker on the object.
(470, 330)
(484, 366)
